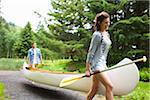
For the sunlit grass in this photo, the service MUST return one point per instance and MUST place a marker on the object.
(2, 94)
(64, 65)
(55, 65)
(142, 92)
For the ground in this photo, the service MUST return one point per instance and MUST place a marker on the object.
(19, 88)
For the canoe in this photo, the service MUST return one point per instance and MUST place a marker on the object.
(124, 79)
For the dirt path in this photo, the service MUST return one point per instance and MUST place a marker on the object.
(19, 88)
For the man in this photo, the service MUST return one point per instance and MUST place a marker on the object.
(34, 56)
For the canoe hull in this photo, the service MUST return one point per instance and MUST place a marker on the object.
(124, 79)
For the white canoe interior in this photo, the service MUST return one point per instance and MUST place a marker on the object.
(124, 79)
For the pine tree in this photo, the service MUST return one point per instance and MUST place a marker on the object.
(69, 27)
(24, 43)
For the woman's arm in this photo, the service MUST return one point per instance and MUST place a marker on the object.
(96, 39)
(87, 69)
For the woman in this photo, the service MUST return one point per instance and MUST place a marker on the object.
(97, 55)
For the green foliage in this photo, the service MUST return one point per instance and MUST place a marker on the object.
(48, 54)
(3, 32)
(135, 52)
(64, 65)
(115, 57)
(113, 7)
(23, 44)
(56, 65)
(11, 37)
(10, 64)
(8, 35)
(70, 31)
(50, 47)
(97, 6)
(76, 66)
(74, 50)
(136, 8)
(2, 95)
(140, 93)
(67, 24)
(130, 36)
(145, 74)
(69, 27)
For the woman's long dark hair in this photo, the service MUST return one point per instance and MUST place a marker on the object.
(98, 19)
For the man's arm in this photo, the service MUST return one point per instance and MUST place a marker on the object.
(28, 57)
(40, 55)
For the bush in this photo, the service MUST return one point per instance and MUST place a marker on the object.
(145, 74)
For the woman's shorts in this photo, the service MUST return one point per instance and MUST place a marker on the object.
(98, 67)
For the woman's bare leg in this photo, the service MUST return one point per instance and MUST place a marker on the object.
(103, 77)
(94, 88)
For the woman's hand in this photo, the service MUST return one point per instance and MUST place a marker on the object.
(87, 73)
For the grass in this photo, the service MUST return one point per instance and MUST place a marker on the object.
(10, 64)
(2, 94)
(64, 65)
(142, 92)
(56, 65)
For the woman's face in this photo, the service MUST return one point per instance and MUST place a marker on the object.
(105, 24)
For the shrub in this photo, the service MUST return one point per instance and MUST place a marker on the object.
(145, 74)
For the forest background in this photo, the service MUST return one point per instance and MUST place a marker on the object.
(69, 30)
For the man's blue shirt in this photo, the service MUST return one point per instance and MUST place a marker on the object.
(31, 55)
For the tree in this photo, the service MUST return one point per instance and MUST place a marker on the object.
(130, 37)
(136, 8)
(71, 19)
(23, 44)
(3, 32)
(50, 47)
(69, 25)
(10, 39)
(8, 34)
(113, 7)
